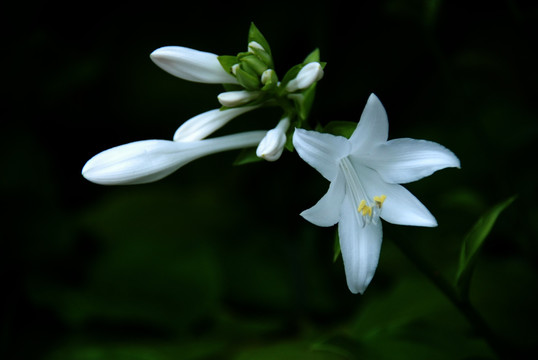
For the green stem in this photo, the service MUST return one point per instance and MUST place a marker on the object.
(498, 345)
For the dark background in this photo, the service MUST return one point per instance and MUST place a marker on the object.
(214, 262)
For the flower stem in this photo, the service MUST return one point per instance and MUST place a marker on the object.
(475, 319)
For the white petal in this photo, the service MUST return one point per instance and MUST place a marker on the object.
(360, 247)
(237, 98)
(205, 124)
(403, 208)
(404, 160)
(327, 210)
(400, 206)
(321, 151)
(373, 127)
(151, 160)
(192, 65)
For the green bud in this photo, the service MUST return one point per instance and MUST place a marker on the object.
(246, 79)
(255, 63)
(260, 52)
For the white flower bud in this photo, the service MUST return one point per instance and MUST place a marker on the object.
(272, 145)
(237, 98)
(268, 75)
(254, 45)
(234, 68)
(150, 160)
(191, 65)
(205, 124)
(309, 74)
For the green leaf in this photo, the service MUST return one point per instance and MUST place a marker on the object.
(340, 128)
(255, 35)
(472, 243)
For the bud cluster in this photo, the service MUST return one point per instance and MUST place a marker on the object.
(255, 84)
(257, 80)
(250, 83)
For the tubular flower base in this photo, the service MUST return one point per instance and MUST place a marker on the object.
(365, 172)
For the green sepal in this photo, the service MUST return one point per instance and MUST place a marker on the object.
(340, 128)
(255, 35)
(247, 156)
(248, 80)
(472, 243)
(227, 61)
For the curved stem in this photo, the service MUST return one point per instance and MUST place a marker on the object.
(475, 319)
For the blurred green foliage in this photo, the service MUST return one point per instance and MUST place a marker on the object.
(214, 262)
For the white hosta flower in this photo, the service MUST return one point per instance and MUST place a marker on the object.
(191, 65)
(205, 124)
(237, 98)
(365, 172)
(308, 75)
(150, 160)
(272, 145)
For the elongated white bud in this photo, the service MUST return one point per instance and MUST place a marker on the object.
(150, 160)
(308, 75)
(237, 98)
(205, 124)
(272, 145)
(191, 65)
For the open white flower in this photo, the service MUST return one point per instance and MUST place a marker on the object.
(150, 160)
(365, 172)
(192, 65)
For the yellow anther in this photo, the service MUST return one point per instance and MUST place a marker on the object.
(364, 209)
(379, 200)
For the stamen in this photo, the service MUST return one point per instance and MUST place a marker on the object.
(364, 209)
(371, 213)
(379, 200)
